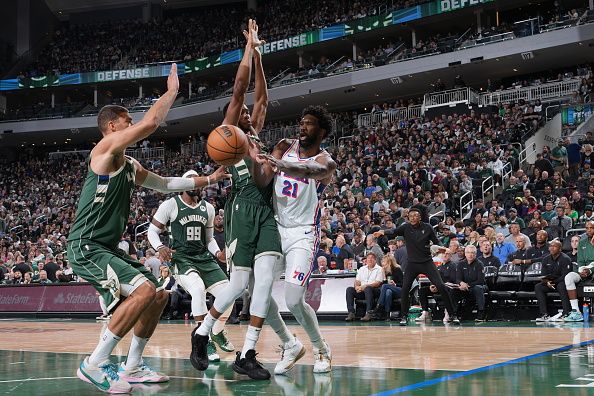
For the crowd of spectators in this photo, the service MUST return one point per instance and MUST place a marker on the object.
(191, 34)
(383, 170)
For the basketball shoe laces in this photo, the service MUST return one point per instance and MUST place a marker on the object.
(111, 371)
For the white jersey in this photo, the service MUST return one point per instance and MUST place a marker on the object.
(297, 201)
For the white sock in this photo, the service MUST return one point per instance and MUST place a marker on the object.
(220, 323)
(574, 305)
(251, 338)
(135, 353)
(206, 326)
(106, 345)
(103, 306)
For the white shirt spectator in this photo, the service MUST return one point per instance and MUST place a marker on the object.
(367, 276)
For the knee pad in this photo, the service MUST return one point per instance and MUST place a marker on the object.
(571, 280)
(194, 285)
(263, 280)
(294, 296)
(232, 290)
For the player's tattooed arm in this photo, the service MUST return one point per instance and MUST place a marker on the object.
(322, 168)
(263, 172)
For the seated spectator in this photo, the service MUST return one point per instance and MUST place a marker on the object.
(555, 267)
(372, 246)
(514, 232)
(457, 251)
(367, 285)
(342, 253)
(28, 279)
(43, 277)
(513, 218)
(575, 240)
(322, 266)
(561, 220)
(391, 288)
(585, 259)
(447, 272)
(471, 280)
(487, 258)
(587, 216)
(537, 252)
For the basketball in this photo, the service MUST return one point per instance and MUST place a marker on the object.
(227, 145)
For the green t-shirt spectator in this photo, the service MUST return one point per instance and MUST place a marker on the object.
(559, 152)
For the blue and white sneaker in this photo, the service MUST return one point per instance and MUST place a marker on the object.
(104, 376)
(574, 316)
(142, 374)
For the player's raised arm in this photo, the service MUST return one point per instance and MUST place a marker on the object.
(153, 181)
(116, 143)
(261, 92)
(263, 172)
(242, 78)
(322, 168)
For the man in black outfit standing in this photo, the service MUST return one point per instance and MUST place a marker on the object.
(418, 236)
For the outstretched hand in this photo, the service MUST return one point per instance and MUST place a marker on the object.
(173, 79)
(220, 174)
(264, 159)
(251, 35)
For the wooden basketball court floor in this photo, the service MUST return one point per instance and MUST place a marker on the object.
(40, 357)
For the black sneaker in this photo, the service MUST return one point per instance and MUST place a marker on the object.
(455, 320)
(250, 366)
(199, 355)
(480, 317)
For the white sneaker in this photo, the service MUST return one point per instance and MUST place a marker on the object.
(104, 376)
(103, 317)
(322, 359)
(557, 318)
(143, 374)
(292, 351)
(425, 317)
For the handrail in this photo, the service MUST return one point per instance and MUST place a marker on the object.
(574, 230)
(282, 73)
(459, 39)
(147, 153)
(136, 233)
(551, 90)
(17, 227)
(468, 204)
(505, 175)
(334, 64)
(491, 187)
(440, 213)
(555, 106)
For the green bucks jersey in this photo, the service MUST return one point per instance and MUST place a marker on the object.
(104, 206)
(187, 232)
(243, 185)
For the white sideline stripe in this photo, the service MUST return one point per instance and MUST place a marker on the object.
(56, 378)
(203, 378)
(35, 379)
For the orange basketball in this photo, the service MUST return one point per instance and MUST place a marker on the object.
(227, 145)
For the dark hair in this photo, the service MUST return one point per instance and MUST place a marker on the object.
(109, 113)
(322, 115)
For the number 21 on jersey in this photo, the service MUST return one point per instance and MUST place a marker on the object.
(290, 189)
